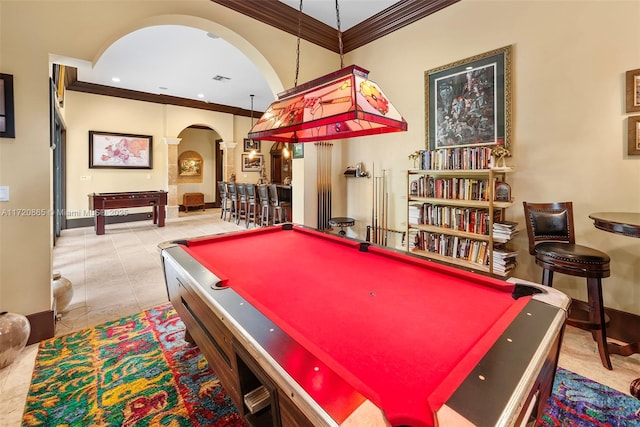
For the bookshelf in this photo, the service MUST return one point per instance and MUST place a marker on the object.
(453, 215)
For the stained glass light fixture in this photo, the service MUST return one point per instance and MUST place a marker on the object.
(342, 104)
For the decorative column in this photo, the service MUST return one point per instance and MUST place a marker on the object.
(173, 207)
(228, 161)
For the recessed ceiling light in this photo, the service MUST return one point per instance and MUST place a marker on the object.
(115, 79)
(201, 95)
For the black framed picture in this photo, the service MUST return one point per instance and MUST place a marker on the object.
(7, 118)
(252, 163)
(468, 102)
(251, 144)
(120, 150)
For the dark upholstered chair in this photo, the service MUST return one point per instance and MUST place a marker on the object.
(552, 241)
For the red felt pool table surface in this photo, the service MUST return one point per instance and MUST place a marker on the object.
(404, 332)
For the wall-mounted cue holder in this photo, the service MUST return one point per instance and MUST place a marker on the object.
(356, 172)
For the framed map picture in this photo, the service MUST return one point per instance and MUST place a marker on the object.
(120, 150)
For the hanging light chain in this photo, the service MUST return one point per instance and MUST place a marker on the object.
(251, 109)
(295, 83)
(339, 34)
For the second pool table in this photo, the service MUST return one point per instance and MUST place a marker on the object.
(333, 331)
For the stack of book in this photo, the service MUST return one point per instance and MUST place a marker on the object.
(503, 231)
(415, 214)
(504, 261)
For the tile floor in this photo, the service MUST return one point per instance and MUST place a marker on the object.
(119, 274)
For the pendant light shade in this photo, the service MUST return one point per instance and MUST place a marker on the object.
(342, 104)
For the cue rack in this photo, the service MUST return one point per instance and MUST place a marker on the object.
(380, 209)
(378, 231)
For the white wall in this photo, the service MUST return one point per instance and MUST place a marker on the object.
(30, 32)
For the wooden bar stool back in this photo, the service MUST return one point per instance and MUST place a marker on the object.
(552, 241)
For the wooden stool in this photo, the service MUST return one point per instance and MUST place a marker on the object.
(552, 242)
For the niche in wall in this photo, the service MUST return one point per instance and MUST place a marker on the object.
(190, 167)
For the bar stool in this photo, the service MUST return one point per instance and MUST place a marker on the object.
(278, 205)
(233, 200)
(552, 241)
(265, 206)
(241, 209)
(224, 199)
(251, 204)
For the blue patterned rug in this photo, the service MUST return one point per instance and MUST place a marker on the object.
(577, 401)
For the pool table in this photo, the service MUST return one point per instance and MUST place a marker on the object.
(307, 328)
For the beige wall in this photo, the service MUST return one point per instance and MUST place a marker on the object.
(569, 124)
(569, 60)
(33, 32)
(203, 142)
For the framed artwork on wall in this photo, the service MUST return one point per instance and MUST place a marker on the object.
(252, 163)
(298, 151)
(7, 119)
(468, 102)
(633, 90)
(120, 150)
(251, 144)
(633, 139)
(190, 167)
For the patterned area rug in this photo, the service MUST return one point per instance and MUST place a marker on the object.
(134, 371)
(577, 401)
(139, 371)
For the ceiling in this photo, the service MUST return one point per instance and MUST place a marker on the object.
(187, 66)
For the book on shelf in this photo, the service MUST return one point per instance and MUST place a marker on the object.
(463, 158)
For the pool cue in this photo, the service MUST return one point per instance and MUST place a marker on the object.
(385, 206)
(373, 205)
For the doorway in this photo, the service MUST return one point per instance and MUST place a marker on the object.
(58, 144)
(280, 163)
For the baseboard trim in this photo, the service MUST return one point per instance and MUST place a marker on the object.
(623, 326)
(43, 326)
